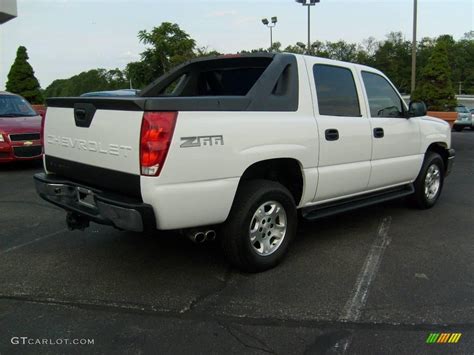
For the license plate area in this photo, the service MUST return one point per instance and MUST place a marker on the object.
(85, 197)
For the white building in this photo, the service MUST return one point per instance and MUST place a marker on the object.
(8, 10)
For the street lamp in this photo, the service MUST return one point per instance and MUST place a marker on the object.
(273, 23)
(308, 3)
(413, 47)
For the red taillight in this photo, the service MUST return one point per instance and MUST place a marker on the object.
(155, 139)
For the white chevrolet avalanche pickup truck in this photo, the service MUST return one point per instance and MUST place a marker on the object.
(234, 146)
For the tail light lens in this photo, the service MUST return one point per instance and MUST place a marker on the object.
(155, 139)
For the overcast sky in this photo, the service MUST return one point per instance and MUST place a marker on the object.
(65, 37)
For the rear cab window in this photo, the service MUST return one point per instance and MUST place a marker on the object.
(219, 77)
(336, 91)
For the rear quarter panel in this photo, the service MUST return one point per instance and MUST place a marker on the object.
(197, 185)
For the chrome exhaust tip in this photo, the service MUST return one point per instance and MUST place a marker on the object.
(199, 238)
(196, 236)
(211, 235)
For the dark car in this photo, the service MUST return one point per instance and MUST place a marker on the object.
(20, 129)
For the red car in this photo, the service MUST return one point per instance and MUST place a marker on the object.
(20, 129)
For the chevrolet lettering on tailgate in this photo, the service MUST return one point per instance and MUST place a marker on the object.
(91, 146)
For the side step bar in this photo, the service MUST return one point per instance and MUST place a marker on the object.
(332, 208)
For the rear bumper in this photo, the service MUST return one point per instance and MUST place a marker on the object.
(451, 157)
(466, 123)
(98, 206)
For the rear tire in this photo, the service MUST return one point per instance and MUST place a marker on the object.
(429, 183)
(458, 128)
(260, 226)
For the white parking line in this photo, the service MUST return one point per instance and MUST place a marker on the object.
(2, 252)
(353, 308)
(358, 299)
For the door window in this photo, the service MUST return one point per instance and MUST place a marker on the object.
(336, 89)
(384, 101)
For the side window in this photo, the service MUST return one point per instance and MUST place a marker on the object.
(171, 88)
(337, 93)
(383, 99)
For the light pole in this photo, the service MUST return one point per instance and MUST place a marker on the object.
(413, 47)
(273, 23)
(308, 3)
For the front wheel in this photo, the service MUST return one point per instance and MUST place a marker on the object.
(260, 226)
(429, 182)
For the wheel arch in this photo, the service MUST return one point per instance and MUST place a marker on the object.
(442, 149)
(286, 171)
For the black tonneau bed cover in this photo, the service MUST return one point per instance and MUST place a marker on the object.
(275, 90)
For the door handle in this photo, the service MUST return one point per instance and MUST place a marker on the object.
(79, 114)
(379, 133)
(332, 135)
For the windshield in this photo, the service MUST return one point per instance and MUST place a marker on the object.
(461, 109)
(15, 106)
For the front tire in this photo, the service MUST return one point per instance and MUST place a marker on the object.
(260, 226)
(429, 183)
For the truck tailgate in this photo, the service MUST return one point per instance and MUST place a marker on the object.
(111, 141)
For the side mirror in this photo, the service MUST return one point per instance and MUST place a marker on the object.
(417, 109)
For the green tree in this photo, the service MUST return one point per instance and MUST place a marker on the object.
(341, 50)
(55, 89)
(92, 80)
(205, 52)
(257, 50)
(469, 36)
(461, 58)
(393, 57)
(424, 51)
(167, 46)
(455, 58)
(366, 52)
(138, 74)
(298, 48)
(276, 47)
(22, 80)
(435, 87)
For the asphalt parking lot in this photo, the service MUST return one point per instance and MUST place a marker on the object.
(378, 280)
